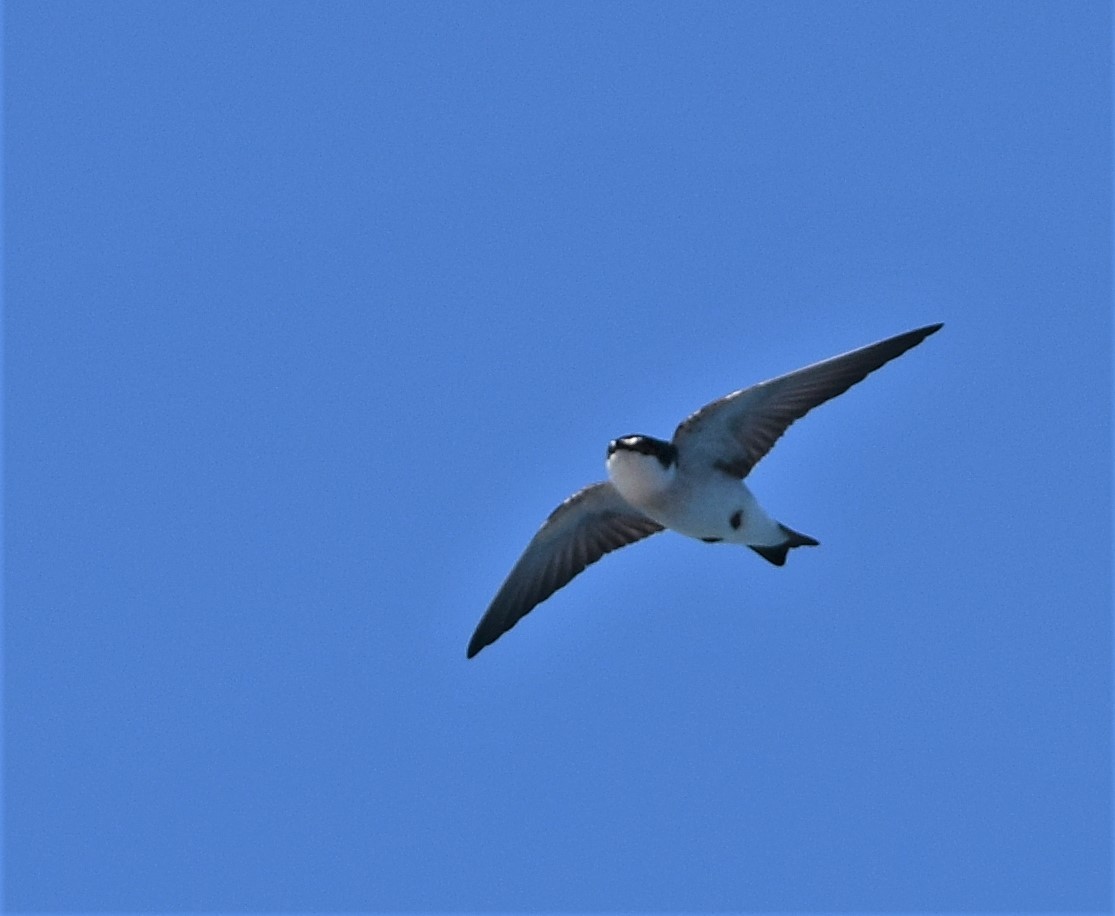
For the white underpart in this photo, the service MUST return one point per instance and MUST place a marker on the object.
(699, 505)
(641, 479)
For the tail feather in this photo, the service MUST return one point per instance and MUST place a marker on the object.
(777, 555)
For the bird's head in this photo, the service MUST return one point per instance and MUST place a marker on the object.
(664, 452)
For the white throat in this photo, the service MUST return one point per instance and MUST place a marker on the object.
(641, 479)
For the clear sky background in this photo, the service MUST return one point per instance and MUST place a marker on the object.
(313, 311)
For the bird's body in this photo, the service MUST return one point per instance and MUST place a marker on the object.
(692, 484)
(691, 499)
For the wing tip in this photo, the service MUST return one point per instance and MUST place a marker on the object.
(476, 644)
(484, 636)
(895, 346)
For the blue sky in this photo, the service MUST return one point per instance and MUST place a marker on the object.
(313, 311)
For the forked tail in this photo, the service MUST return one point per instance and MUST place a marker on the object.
(777, 555)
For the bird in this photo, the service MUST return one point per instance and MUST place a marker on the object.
(692, 484)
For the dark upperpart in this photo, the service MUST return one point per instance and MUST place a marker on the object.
(665, 452)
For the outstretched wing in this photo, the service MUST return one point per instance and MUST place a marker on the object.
(591, 523)
(734, 432)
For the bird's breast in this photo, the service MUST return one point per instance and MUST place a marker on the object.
(641, 479)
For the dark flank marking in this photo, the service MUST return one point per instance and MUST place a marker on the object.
(712, 540)
(736, 520)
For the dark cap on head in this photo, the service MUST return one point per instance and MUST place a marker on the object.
(665, 452)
